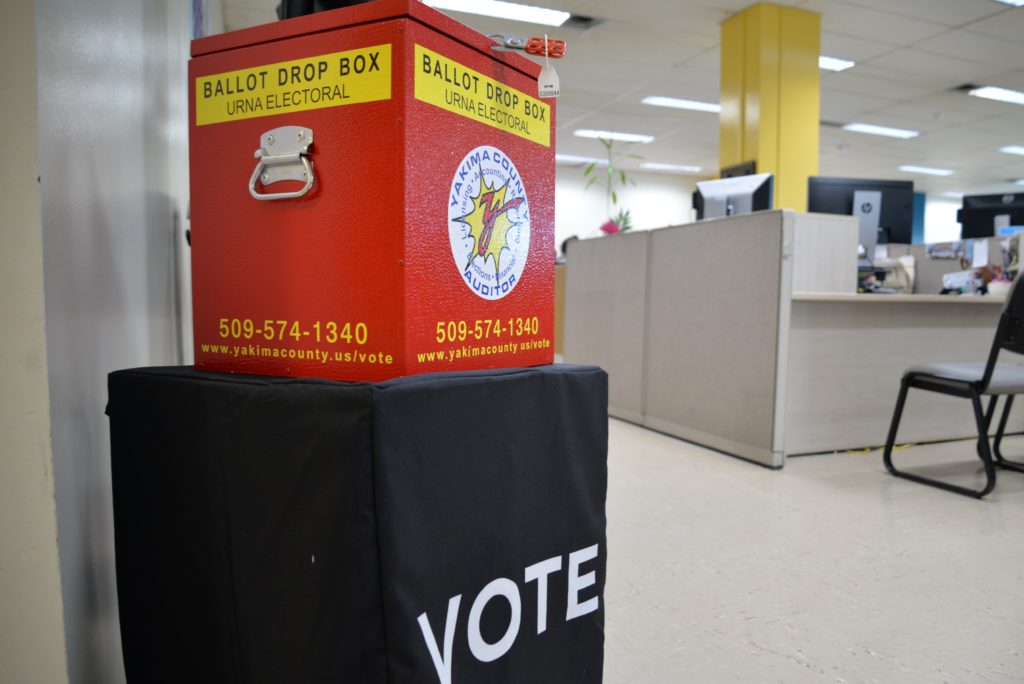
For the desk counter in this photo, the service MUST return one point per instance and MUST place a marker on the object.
(847, 297)
(847, 353)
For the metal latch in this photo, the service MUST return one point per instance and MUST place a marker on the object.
(283, 156)
(537, 46)
(507, 42)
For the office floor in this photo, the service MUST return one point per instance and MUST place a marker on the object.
(827, 571)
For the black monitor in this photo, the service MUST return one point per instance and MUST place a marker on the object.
(731, 196)
(747, 168)
(983, 215)
(895, 218)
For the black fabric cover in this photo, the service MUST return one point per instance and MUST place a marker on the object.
(273, 530)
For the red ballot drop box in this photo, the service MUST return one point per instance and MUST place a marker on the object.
(372, 195)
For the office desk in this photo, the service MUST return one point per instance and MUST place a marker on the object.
(745, 335)
(847, 353)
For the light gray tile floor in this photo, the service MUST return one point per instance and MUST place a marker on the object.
(830, 570)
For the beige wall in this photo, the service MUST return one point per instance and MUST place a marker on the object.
(31, 626)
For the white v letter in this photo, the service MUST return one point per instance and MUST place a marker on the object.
(443, 665)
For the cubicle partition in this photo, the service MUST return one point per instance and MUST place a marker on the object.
(715, 316)
(746, 335)
(606, 313)
(691, 322)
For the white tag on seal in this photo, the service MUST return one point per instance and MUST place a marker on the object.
(547, 81)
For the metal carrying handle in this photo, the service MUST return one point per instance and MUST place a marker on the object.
(267, 162)
(283, 155)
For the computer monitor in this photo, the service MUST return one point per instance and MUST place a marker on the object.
(892, 222)
(983, 215)
(731, 196)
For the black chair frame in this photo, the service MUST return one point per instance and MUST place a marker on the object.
(1009, 337)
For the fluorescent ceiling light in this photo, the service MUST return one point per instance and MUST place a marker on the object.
(1012, 149)
(1019, 182)
(836, 64)
(614, 135)
(682, 168)
(503, 10)
(675, 103)
(953, 195)
(999, 94)
(574, 159)
(927, 170)
(1015, 3)
(871, 129)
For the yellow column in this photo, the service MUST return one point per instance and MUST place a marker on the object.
(771, 96)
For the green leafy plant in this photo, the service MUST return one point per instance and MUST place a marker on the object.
(613, 179)
(623, 220)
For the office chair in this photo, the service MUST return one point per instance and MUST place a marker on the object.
(973, 381)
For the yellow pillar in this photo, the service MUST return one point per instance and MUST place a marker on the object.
(771, 96)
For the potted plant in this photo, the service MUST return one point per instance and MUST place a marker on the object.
(612, 179)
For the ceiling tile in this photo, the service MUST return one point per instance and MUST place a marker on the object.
(946, 12)
(567, 116)
(931, 69)
(626, 123)
(616, 41)
(845, 107)
(1010, 128)
(962, 102)
(862, 81)
(869, 24)
(1009, 79)
(660, 117)
(848, 47)
(710, 60)
(690, 17)
(1008, 25)
(930, 109)
(975, 47)
(686, 82)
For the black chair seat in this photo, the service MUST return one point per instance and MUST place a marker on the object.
(973, 381)
(1006, 378)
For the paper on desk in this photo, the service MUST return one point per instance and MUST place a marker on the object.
(960, 280)
(980, 254)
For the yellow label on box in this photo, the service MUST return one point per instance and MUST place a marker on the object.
(456, 88)
(332, 80)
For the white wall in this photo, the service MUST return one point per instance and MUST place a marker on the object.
(112, 158)
(657, 200)
(31, 628)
